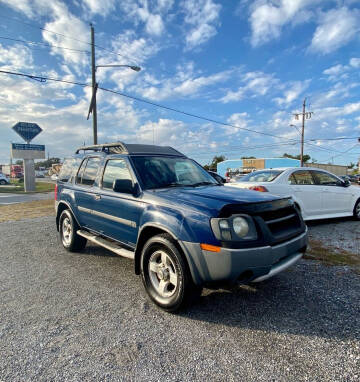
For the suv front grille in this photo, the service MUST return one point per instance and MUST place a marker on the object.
(283, 224)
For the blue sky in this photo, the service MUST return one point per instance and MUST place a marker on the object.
(246, 63)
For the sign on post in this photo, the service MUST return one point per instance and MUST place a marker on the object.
(27, 151)
(27, 131)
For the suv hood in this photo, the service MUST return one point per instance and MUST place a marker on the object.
(207, 198)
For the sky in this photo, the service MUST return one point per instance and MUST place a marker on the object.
(244, 66)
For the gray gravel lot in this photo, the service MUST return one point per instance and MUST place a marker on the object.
(85, 316)
(341, 233)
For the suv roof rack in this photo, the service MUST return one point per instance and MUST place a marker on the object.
(122, 148)
(119, 147)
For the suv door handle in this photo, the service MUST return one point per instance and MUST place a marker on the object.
(97, 197)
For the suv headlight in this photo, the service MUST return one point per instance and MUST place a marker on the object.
(234, 228)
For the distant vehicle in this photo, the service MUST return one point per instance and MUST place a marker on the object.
(217, 177)
(317, 193)
(54, 177)
(13, 171)
(39, 174)
(181, 227)
(4, 180)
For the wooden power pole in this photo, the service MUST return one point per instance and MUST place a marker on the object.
(304, 115)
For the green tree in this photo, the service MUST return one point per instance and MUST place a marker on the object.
(47, 163)
(306, 157)
(212, 165)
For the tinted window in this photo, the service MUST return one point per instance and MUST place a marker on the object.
(292, 179)
(115, 169)
(68, 169)
(325, 179)
(81, 171)
(261, 176)
(303, 177)
(88, 171)
(158, 172)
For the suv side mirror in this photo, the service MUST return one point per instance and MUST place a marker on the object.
(123, 185)
(346, 183)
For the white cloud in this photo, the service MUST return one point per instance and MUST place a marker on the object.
(337, 27)
(255, 84)
(150, 14)
(60, 20)
(355, 62)
(335, 70)
(203, 17)
(15, 57)
(184, 83)
(292, 92)
(102, 7)
(269, 16)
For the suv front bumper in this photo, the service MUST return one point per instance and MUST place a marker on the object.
(243, 265)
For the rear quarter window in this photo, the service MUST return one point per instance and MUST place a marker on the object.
(68, 169)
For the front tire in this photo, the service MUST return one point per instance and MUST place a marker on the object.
(357, 210)
(70, 240)
(2, 182)
(165, 274)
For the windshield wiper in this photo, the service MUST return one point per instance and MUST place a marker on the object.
(167, 185)
(203, 184)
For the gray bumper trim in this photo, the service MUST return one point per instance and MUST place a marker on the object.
(281, 266)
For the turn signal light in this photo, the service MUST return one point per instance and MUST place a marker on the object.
(259, 188)
(209, 247)
(55, 190)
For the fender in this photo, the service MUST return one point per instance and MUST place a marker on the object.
(68, 207)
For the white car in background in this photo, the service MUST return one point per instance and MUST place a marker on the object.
(317, 193)
(4, 180)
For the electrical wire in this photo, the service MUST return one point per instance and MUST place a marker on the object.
(44, 79)
(37, 43)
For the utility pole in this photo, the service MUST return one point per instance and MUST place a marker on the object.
(305, 115)
(94, 85)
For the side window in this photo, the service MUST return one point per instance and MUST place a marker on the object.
(87, 173)
(80, 172)
(325, 179)
(115, 169)
(292, 179)
(303, 177)
(90, 171)
(68, 169)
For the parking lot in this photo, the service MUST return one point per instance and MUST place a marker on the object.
(85, 316)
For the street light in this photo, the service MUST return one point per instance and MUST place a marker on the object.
(92, 107)
(133, 67)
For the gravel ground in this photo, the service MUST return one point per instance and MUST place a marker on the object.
(85, 316)
(337, 233)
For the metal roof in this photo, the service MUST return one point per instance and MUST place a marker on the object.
(124, 148)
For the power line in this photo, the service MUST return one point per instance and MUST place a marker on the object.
(43, 79)
(66, 36)
(44, 44)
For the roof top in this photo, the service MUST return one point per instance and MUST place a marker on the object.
(124, 148)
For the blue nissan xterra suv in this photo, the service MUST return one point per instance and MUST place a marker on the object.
(183, 229)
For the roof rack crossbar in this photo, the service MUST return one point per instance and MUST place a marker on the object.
(103, 147)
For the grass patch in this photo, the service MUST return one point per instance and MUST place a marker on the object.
(28, 210)
(330, 256)
(18, 188)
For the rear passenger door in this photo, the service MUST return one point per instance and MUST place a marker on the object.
(86, 192)
(335, 197)
(119, 213)
(303, 187)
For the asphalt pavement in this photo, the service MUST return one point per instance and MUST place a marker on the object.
(12, 198)
(86, 317)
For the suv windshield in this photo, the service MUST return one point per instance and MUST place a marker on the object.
(160, 172)
(261, 176)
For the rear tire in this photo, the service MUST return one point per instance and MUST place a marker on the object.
(2, 182)
(68, 227)
(166, 275)
(357, 210)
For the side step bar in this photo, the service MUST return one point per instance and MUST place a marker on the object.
(110, 245)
